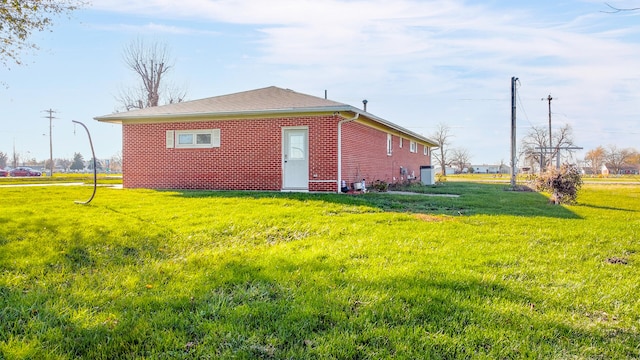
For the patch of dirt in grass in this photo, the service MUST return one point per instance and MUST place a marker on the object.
(601, 316)
(617, 260)
(525, 188)
(431, 218)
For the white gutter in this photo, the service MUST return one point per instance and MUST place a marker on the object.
(344, 121)
(155, 114)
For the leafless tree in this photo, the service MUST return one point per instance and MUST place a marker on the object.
(115, 163)
(535, 145)
(536, 137)
(132, 98)
(19, 19)
(174, 94)
(150, 63)
(503, 168)
(64, 163)
(443, 136)
(616, 158)
(460, 158)
(635, 159)
(4, 158)
(595, 158)
(48, 164)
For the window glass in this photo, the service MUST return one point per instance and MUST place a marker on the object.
(188, 139)
(413, 147)
(296, 147)
(203, 139)
(185, 139)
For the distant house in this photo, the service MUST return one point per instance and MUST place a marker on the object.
(609, 169)
(265, 139)
(491, 169)
(586, 170)
(448, 170)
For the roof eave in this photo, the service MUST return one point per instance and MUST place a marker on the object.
(115, 119)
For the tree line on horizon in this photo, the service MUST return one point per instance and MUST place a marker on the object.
(531, 155)
(113, 164)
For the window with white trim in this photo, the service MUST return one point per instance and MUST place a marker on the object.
(425, 150)
(413, 147)
(400, 144)
(389, 144)
(188, 139)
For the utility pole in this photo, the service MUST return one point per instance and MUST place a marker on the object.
(15, 156)
(549, 98)
(513, 131)
(50, 117)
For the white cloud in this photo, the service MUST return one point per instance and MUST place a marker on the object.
(154, 28)
(399, 50)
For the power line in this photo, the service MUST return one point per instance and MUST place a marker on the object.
(522, 107)
(486, 99)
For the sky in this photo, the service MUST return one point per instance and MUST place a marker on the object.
(418, 63)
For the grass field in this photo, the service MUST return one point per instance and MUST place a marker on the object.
(86, 178)
(196, 275)
(627, 179)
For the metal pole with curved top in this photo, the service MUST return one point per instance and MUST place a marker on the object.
(95, 173)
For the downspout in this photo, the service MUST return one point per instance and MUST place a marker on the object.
(343, 121)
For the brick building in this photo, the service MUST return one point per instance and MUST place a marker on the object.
(264, 139)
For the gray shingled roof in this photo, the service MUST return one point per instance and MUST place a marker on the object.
(269, 100)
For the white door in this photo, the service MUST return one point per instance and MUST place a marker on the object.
(295, 159)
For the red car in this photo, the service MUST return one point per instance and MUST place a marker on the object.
(4, 172)
(24, 171)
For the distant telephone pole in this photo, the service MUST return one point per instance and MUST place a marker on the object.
(549, 98)
(513, 131)
(50, 117)
(15, 155)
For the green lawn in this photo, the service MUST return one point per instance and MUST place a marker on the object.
(196, 275)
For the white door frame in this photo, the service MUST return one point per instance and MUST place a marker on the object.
(295, 172)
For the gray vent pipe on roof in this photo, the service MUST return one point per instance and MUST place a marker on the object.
(365, 104)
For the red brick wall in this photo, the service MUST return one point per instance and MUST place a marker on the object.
(249, 156)
(364, 156)
(250, 153)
